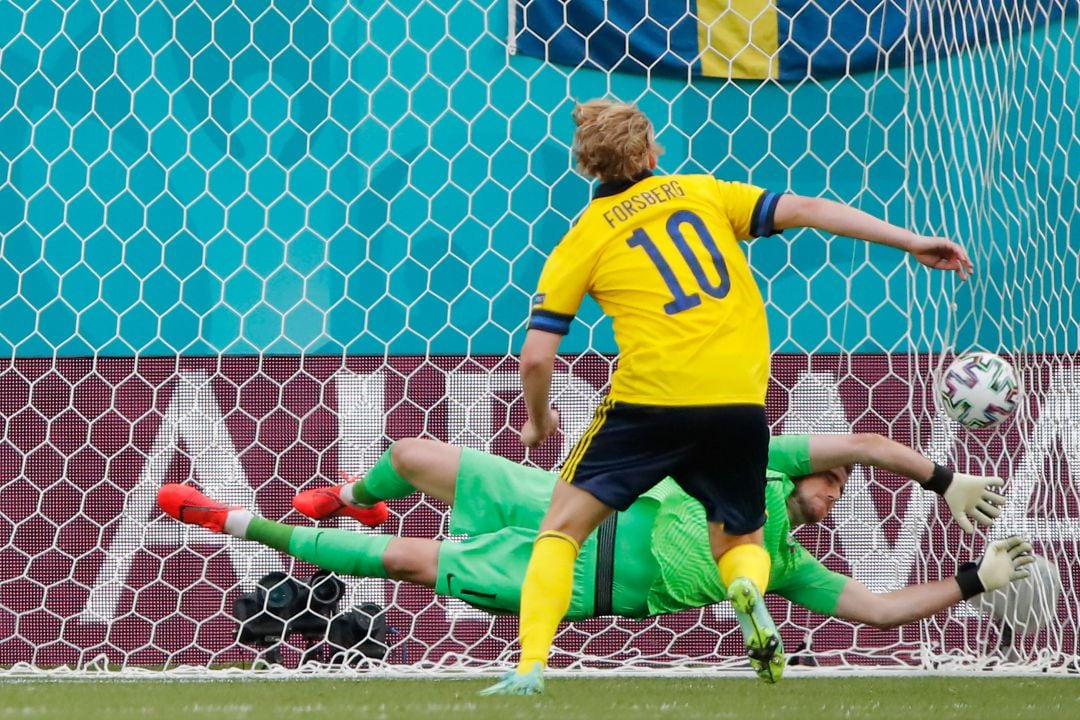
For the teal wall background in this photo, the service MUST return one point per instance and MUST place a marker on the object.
(367, 177)
(1011, 192)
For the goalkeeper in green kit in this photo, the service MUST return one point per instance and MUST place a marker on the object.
(652, 558)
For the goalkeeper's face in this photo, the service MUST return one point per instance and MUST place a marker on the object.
(815, 495)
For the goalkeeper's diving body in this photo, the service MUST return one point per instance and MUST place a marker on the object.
(651, 559)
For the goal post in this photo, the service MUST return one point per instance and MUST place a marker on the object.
(249, 245)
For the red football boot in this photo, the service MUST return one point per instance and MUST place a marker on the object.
(326, 502)
(190, 506)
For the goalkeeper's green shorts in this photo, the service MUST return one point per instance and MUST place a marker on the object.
(499, 504)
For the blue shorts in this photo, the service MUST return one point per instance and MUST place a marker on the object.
(717, 454)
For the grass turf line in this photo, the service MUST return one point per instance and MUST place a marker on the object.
(566, 699)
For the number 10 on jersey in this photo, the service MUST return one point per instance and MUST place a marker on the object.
(683, 300)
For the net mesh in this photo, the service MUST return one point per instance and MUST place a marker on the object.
(249, 245)
(995, 163)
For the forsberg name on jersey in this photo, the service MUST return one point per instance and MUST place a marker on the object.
(624, 210)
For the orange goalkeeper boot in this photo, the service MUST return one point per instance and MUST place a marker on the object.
(326, 502)
(190, 506)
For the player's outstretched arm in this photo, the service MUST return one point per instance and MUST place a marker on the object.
(833, 217)
(1002, 563)
(966, 495)
(537, 365)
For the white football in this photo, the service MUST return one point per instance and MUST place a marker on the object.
(1029, 604)
(979, 390)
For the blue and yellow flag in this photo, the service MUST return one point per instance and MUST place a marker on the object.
(765, 39)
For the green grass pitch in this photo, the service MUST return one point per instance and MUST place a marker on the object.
(910, 698)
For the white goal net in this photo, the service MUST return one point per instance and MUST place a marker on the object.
(994, 136)
(247, 245)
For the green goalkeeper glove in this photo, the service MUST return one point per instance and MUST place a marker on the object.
(1003, 562)
(967, 495)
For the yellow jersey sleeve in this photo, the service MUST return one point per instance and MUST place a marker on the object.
(749, 209)
(562, 286)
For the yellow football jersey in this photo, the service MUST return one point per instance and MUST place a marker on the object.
(661, 257)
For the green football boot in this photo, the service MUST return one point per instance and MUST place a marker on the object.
(514, 683)
(763, 644)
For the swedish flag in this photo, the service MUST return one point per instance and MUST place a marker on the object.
(765, 39)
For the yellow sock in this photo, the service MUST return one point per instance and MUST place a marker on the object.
(545, 595)
(749, 561)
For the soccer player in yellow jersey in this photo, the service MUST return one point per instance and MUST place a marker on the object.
(660, 254)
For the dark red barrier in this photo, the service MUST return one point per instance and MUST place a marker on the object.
(89, 567)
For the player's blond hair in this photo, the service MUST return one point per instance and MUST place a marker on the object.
(613, 141)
